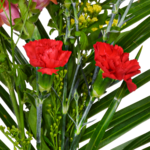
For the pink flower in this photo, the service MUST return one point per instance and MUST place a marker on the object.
(40, 4)
(14, 13)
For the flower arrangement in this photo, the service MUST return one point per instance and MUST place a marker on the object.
(69, 75)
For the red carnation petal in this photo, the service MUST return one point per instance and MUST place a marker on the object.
(64, 56)
(37, 63)
(118, 49)
(119, 73)
(109, 75)
(133, 69)
(48, 71)
(125, 57)
(131, 86)
(128, 76)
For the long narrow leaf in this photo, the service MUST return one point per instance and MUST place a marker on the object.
(105, 101)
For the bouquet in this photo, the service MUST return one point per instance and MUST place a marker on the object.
(66, 79)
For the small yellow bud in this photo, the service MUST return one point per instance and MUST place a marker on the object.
(86, 15)
(85, 9)
(97, 8)
(81, 3)
(100, 26)
(94, 19)
(115, 22)
(49, 105)
(94, 29)
(72, 21)
(82, 19)
(90, 9)
(107, 22)
(59, 117)
(57, 76)
(80, 24)
(65, 71)
(88, 4)
(64, 26)
(60, 87)
(88, 19)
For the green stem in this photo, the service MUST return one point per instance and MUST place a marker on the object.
(77, 29)
(39, 105)
(21, 114)
(80, 125)
(109, 26)
(125, 13)
(64, 105)
(10, 138)
(39, 120)
(14, 103)
(63, 132)
(68, 28)
(64, 111)
(73, 82)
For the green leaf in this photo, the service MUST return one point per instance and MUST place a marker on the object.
(21, 79)
(53, 11)
(34, 18)
(139, 53)
(48, 142)
(138, 10)
(7, 119)
(23, 7)
(77, 33)
(105, 101)
(137, 142)
(2, 57)
(6, 98)
(135, 37)
(3, 146)
(102, 126)
(83, 41)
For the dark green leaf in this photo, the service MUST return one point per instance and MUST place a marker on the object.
(3, 146)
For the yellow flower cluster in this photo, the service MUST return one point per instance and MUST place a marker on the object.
(115, 23)
(82, 19)
(94, 29)
(89, 15)
(94, 19)
(97, 8)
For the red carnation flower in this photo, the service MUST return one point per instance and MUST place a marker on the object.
(47, 54)
(115, 63)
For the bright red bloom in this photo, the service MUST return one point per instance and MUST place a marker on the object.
(47, 54)
(14, 13)
(115, 63)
